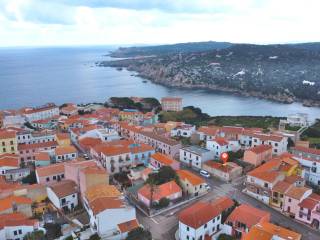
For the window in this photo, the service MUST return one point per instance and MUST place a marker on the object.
(289, 200)
(20, 231)
(205, 226)
(188, 228)
(15, 233)
(213, 229)
(213, 220)
(54, 177)
(47, 179)
(266, 185)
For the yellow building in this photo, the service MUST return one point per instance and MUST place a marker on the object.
(63, 139)
(8, 142)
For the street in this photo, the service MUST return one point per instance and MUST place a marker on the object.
(165, 225)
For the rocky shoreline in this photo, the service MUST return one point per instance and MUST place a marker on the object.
(177, 82)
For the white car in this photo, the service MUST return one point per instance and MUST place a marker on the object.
(207, 187)
(204, 173)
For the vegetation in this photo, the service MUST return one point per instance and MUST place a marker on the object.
(164, 175)
(30, 179)
(164, 202)
(312, 134)
(94, 237)
(190, 115)
(36, 235)
(235, 155)
(146, 104)
(224, 236)
(53, 230)
(139, 234)
(264, 122)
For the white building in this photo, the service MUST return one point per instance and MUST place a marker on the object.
(63, 195)
(184, 130)
(105, 134)
(203, 219)
(221, 145)
(65, 153)
(28, 137)
(279, 143)
(298, 120)
(44, 112)
(12, 119)
(16, 226)
(195, 156)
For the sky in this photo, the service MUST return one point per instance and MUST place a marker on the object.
(130, 22)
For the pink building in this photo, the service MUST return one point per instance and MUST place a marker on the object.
(310, 210)
(159, 160)
(74, 167)
(27, 151)
(91, 176)
(258, 155)
(50, 174)
(293, 197)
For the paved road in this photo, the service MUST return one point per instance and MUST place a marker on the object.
(164, 226)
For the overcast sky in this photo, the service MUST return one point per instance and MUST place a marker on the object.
(96, 22)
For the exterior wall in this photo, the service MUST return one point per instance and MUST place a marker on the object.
(257, 159)
(291, 205)
(210, 228)
(278, 148)
(194, 160)
(311, 170)
(117, 163)
(89, 180)
(50, 179)
(141, 157)
(157, 165)
(64, 157)
(171, 105)
(192, 190)
(181, 132)
(225, 176)
(171, 197)
(71, 201)
(8, 145)
(39, 115)
(17, 232)
(217, 149)
(4, 169)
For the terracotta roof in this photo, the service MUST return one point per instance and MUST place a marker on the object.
(281, 187)
(161, 138)
(5, 134)
(6, 203)
(50, 170)
(268, 171)
(161, 191)
(248, 215)
(62, 150)
(266, 231)
(128, 226)
(100, 204)
(9, 162)
(163, 158)
(268, 137)
(15, 219)
(192, 178)
(307, 150)
(200, 213)
(171, 99)
(260, 148)
(49, 144)
(293, 179)
(64, 188)
(62, 136)
(219, 166)
(297, 192)
(310, 202)
(114, 150)
(231, 129)
(221, 141)
(42, 156)
(102, 190)
(211, 131)
(88, 142)
(93, 170)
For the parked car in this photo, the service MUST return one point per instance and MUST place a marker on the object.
(207, 187)
(204, 173)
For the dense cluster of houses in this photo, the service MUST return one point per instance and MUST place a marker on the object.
(74, 155)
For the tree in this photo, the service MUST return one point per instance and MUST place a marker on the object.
(30, 179)
(164, 202)
(164, 175)
(36, 235)
(139, 234)
(94, 237)
(225, 237)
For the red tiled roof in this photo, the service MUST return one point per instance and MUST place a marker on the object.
(161, 191)
(310, 202)
(7, 203)
(248, 215)
(192, 178)
(221, 141)
(128, 226)
(211, 131)
(62, 150)
(64, 188)
(5, 134)
(307, 150)
(296, 192)
(202, 212)
(50, 170)
(260, 148)
(163, 158)
(15, 219)
(49, 144)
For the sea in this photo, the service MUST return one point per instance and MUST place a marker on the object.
(35, 76)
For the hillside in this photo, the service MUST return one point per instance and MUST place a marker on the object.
(284, 73)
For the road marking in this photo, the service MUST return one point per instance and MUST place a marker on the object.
(154, 221)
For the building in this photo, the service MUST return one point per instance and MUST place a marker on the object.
(203, 219)
(309, 212)
(16, 226)
(91, 176)
(226, 172)
(296, 120)
(13, 204)
(207, 133)
(104, 202)
(42, 159)
(63, 195)
(220, 145)
(27, 152)
(69, 109)
(195, 156)
(183, 130)
(73, 168)
(160, 143)
(7, 162)
(63, 139)
(306, 152)
(49, 174)
(269, 231)
(43, 112)
(192, 184)
(279, 143)
(244, 217)
(17, 174)
(158, 160)
(258, 155)
(293, 197)
(8, 142)
(169, 190)
(171, 104)
(65, 153)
